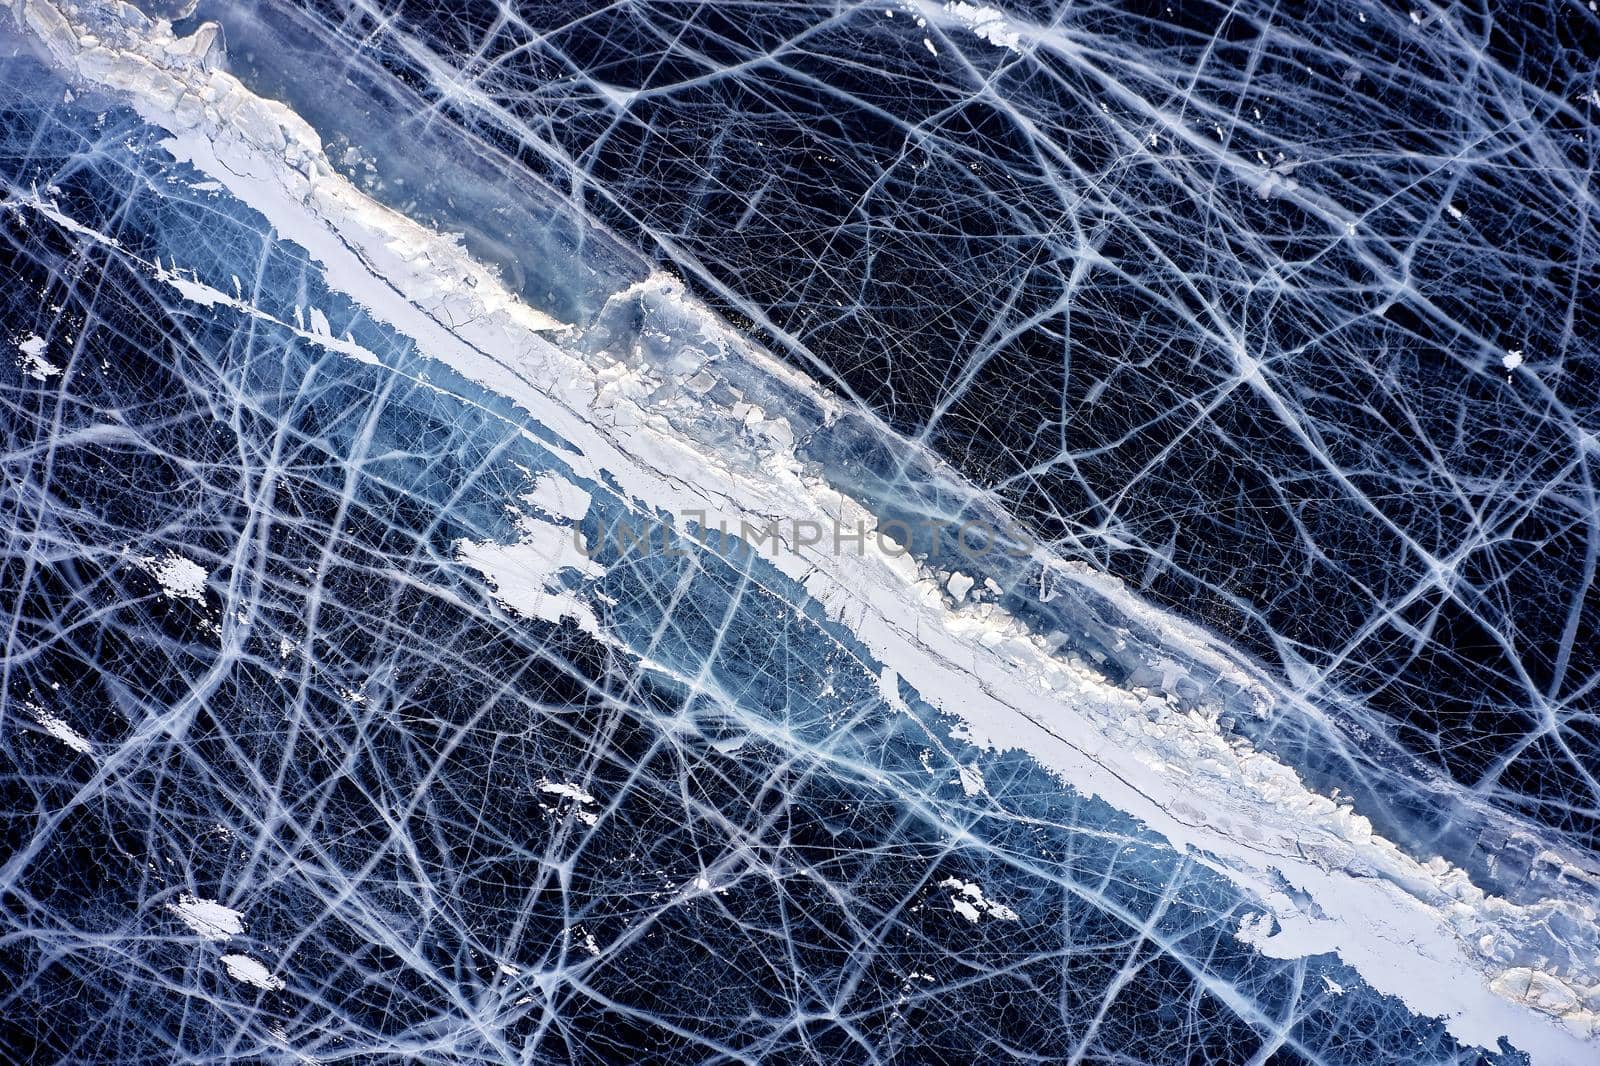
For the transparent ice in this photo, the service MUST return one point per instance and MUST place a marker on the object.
(1274, 327)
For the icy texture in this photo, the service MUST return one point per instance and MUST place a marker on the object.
(323, 740)
(1284, 313)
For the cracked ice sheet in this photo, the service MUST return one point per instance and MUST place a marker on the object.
(1298, 160)
(1009, 690)
(364, 226)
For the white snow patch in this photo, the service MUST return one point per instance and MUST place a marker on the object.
(33, 360)
(970, 902)
(971, 779)
(988, 23)
(575, 794)
(61, 730)
(180, 577)
(209, 918)
(558, 498)
(1512, 359)
(244, 968)
(559, 788)
(525, 575)
(1255, 929)
(889, 690)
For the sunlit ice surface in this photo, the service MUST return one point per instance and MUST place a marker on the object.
(800, 532)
